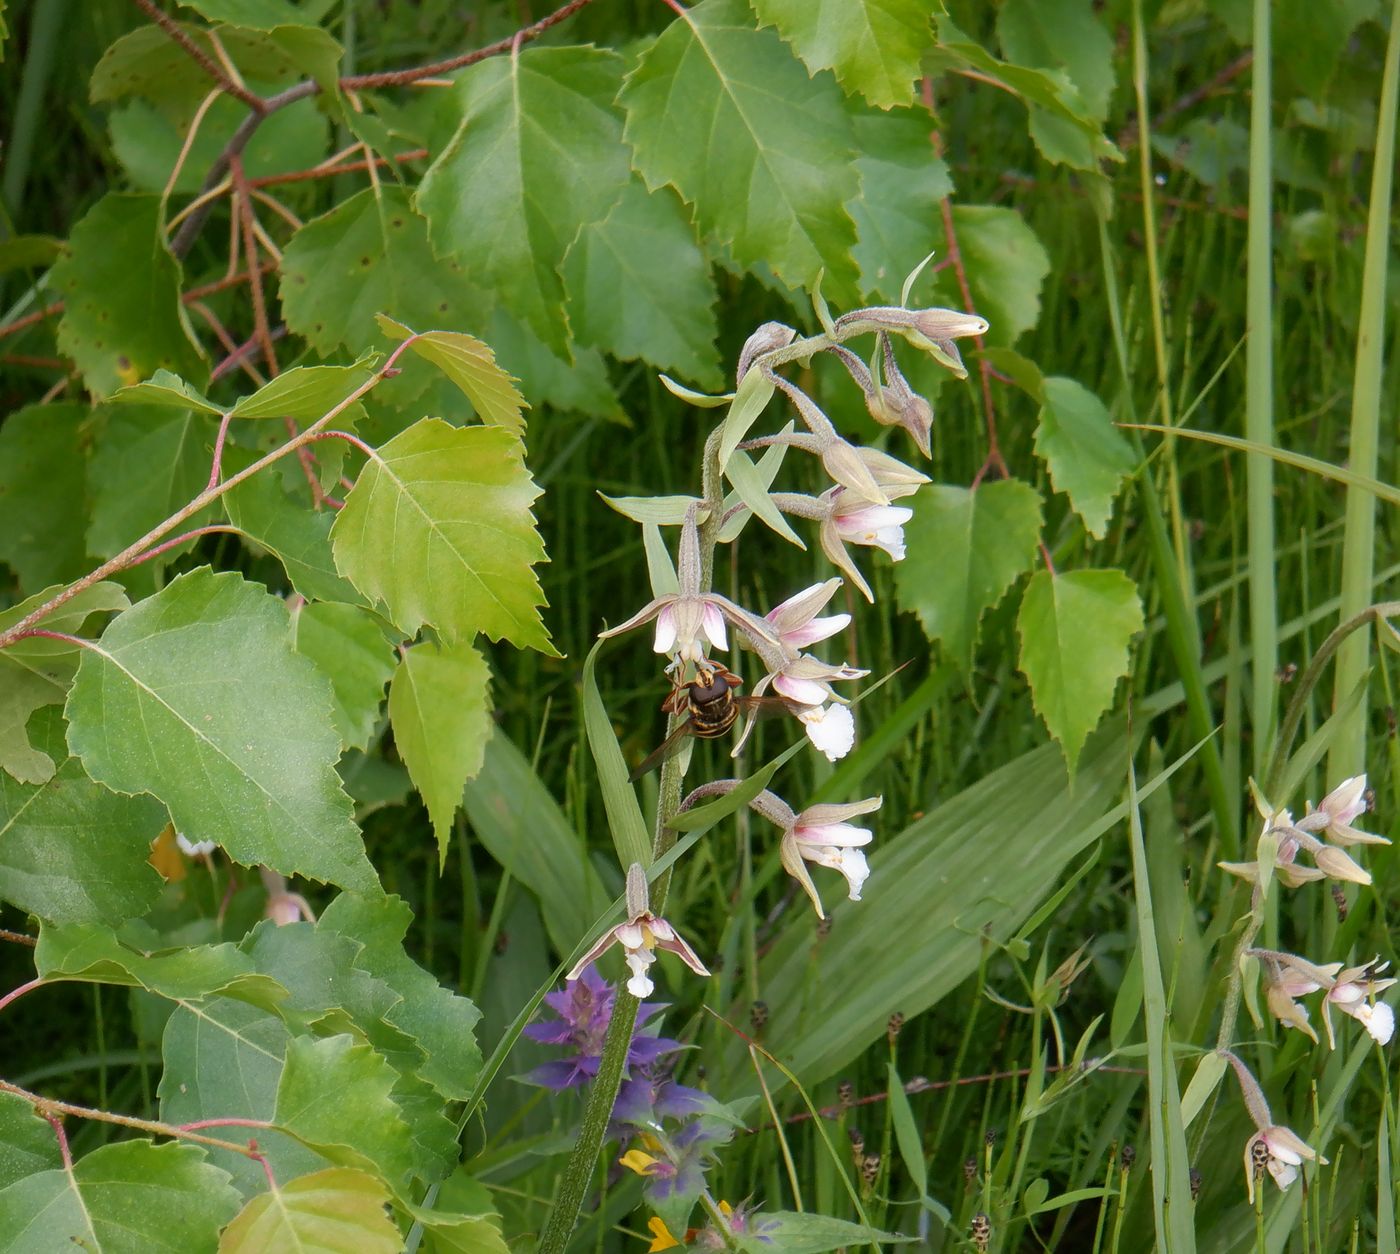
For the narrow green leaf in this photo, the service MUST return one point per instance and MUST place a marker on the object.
(349, 647)
(661, 571)
(368, 255)
(70, 851)
(763, 150)
(471, 365)
(43, 493)
(134, 1197)
(485, 197)
(965, 549)
(306, 392)
(795, 1233)
(164, 388)
(703, 817)
(438, 528)
(1210, 1070)
(232, 729)
(116, 327)
(340, 1210)
(439, 704)
(744, 476)
(749, 401)
(874, 46)
(625, 822)
(906, 1131)
(1087, 455)
(37, 671)
(639, 286)
(661, 511)
(1075, 629)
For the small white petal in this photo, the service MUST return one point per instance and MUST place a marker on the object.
(1283, 1173)
(832, 729)
(665, 630)
(838, 835)
(712, 623)
(640, 984)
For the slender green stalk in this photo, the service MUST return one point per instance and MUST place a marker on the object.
(1259, 397)
(46, 29)
(1348, 752)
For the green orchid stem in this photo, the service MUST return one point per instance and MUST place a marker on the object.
(602, 1094)
(1289, 728)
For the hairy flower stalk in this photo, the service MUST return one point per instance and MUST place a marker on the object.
(1274, 1148)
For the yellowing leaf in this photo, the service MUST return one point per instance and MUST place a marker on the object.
(1075, 629)
(336, 1211)
(471, 365)
(438, 528)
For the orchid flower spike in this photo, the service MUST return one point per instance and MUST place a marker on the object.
(848, 519)
(686, 618)
(1288, 977)
(1280, 1151)
(874, 476)
(640, 937)
(821, 834)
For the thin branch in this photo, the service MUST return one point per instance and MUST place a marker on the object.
(64, 1152)
(29, 320)
(324, 171)
(398, 78)
(212, 529)
(200, 57)
(18, 938)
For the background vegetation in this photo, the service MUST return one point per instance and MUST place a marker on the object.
(1169, 222)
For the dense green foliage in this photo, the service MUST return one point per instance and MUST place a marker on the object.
(362, 362)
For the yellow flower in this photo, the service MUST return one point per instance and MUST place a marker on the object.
(661, 1238)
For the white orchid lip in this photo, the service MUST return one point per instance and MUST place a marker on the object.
(831, 728)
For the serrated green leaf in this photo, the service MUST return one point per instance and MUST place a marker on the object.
(440, 707)
(471, 365)
(901, 178)
(442, 1022)
(1005, 264)
(305, 392)
(263, 510)
(1062, 35)
(1088, 457)
(731, 119)
(449, 1233)
(70, 851)
(43, 493)
(368, 255)
(874, 46)
(506, 197)
(349, 646)
(221, 1059)
(27, 1141)
(625, 822)
(581, 385)
(335, 1096)
(1048, 94)
(96, 955)
(147, 462)
(639, 287)
(131, 1198)
(964, 549)
(336, 1211)
(223, 722)
(164, 388)
(117, 327)
(1075, 629)
(37, 671)
(438, 528)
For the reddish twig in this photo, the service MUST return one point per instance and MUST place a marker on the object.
(188, 535)
(200, 57)
(330, 171)
(41, 363)
(400, 78)
(31, 319)
(63, 1151)
(244, 208)
(16, 993)
(18, 938)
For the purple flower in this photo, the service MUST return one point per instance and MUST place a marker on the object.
(584, 1008)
